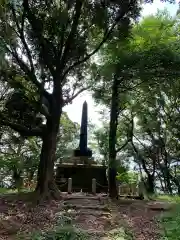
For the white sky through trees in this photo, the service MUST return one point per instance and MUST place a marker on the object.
(74, 110)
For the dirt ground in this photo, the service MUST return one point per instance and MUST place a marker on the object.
(141, 218)
(92, 214)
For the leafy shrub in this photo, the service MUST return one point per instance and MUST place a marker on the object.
(127, 177)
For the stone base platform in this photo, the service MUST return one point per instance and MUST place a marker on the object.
(82, 175)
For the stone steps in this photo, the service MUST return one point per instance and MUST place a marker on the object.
(85, 200)
(84, 197)
(97, 213)
(90, 214)
(92, 207)
(83, 203)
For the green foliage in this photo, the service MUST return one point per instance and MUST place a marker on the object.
(170, 221)
(6, 190)
(120, 233)
(57, 40)
(101, 136)
(151, 54)
(147, 110)
(68, 137)
(127, 177)
(19, 157)
(168, 198)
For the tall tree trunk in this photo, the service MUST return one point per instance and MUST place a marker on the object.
(17, 178)
(169, 185)
(150, 184)
(176, 182)
(30, 175)
(113, 193)
(167, 178)
(161, 182)
(46, 187)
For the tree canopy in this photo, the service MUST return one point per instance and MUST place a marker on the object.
(144, 78)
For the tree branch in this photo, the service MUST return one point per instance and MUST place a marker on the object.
(69, 100)
(19, 128)
(129, 137)
(30, 76)
(72, 33)
(22, 37)
(45, 45)
(123, 146)
(140, 158)
(106, 36)
(132, 88)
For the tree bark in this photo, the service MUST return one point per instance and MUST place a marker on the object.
(113, 193)
(167, 178)
(150, 183)
(17, 178)
(46, 187)
(176, 182)
(161, 182)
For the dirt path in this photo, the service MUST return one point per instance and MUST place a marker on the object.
(96, 216)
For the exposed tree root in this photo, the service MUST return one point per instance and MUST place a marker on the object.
(49, 191)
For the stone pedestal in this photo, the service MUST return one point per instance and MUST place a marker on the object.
(82, 175)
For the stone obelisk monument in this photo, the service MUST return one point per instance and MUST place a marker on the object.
(83, 151)
(83, 130)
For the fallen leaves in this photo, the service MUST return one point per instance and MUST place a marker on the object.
(89, 214)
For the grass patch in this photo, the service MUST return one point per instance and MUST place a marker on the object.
(7, 190)
(170, 221)
(168, 198)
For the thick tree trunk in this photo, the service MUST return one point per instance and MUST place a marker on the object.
(113, 193)
(46, 187)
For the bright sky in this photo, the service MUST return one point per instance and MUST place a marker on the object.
(74, 110)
